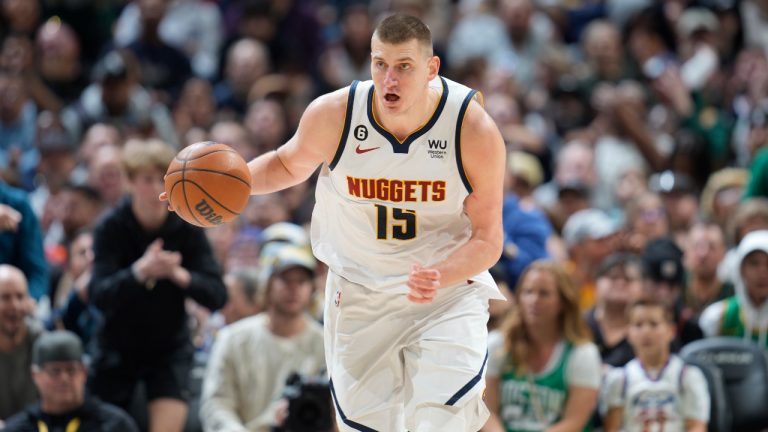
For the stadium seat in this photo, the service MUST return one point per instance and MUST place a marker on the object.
(744, 370)
(720, 418)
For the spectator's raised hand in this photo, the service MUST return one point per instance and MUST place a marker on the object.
(9, 218)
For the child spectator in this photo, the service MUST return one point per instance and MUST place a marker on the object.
(656, 390)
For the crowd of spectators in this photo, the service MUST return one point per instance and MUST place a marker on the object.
(637, 138)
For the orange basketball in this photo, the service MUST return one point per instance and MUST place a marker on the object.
(208, 184)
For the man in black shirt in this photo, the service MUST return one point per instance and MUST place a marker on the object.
(60, 375)
(147, 263)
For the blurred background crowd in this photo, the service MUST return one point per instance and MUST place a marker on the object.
(637, 133)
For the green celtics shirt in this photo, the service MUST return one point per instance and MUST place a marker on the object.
(534, 402)
(732, 322)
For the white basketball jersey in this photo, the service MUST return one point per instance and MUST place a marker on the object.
(383, 205)
(654, 404)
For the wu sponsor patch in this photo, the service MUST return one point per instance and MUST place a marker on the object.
(437, 148)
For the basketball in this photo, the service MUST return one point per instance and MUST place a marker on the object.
(208, 184)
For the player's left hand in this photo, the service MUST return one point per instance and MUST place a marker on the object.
(423, 283)
(164, 197)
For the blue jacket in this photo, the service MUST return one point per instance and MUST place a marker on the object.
(525, 238)
(23, 248)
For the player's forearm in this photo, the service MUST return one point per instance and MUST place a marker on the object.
(477, 255)
(269, 174)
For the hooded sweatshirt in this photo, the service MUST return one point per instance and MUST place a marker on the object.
(737, 315)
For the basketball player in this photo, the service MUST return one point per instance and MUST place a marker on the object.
(656, 391)
(408, 219)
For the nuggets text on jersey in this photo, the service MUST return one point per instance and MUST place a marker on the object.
(395, 190)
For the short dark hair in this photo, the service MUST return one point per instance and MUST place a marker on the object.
(618, 259)
(651, 302)
(85, 190)
(400, 28)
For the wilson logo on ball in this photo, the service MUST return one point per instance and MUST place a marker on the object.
(206, 211)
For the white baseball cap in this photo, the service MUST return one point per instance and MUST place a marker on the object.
(588, 223)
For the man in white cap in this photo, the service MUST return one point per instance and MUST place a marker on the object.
(745, 314)
(253, 357)
(589, 237)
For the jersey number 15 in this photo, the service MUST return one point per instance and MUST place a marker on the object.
(401, 221)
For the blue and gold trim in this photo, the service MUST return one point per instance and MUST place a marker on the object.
(347, 122)
(468, 386)
(403, 146)
(459, 125)
(348, 422)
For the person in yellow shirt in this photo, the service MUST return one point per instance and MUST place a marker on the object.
(589, 236)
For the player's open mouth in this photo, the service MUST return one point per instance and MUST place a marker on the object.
(391, 97)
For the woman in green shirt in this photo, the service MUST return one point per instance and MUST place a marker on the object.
(543, 370)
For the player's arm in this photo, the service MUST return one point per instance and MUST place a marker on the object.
(315, 141)
(483, 157)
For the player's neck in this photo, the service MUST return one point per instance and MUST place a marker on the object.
(285, 325)
(404, 123)
(653, 359)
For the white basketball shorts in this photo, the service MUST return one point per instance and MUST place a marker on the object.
(396, 365)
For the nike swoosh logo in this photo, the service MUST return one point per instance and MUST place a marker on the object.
(358, 150)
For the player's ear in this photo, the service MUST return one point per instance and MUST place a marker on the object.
(433, 66)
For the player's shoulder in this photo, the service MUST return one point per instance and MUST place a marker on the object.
(476, 118)
(475, 122)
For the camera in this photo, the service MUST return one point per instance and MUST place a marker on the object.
(309, 404)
